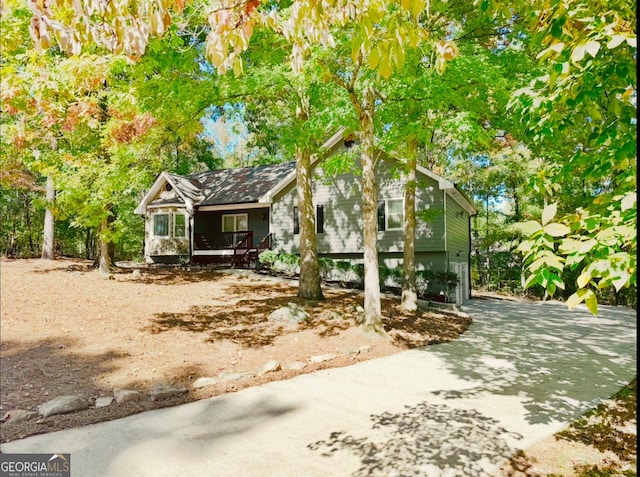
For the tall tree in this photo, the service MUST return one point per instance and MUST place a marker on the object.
(431, 116)
(48, 242)
(409, 301)
(86, 121)
(289, 115)
(382, 31)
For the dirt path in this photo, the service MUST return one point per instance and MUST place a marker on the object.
(66, 330)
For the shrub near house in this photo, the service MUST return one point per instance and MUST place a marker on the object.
(429, 283)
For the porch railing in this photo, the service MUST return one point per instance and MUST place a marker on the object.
(244, 252)
(223, 240)
(266, 243)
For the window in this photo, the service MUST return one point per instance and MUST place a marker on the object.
(235, 223)
(395, 214)
(170, 225)
(161, 225)
(382, 222)
(296, 221)
(179, 226)
(390, 214)
(319, 219)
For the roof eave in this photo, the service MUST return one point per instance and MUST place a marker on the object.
(328, 145)
(155, 188)
(462, 200)
(232, 206)
(268, 197)
(446, 185)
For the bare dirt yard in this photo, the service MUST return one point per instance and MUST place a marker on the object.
(66, 330)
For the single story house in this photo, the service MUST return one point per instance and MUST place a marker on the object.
(235, 214)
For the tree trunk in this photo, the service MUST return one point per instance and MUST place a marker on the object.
(372, 307)
(27, 218)
(89, 246)
(48, 239)
(409, 296)
(105, 248)
(309, 287)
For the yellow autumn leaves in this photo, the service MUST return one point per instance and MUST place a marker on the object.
(125, 26)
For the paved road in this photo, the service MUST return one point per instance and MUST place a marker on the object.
(519, 374)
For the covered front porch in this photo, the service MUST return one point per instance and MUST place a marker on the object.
(231, 235)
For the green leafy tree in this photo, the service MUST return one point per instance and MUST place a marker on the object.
(103, 127)
(378, 36)
(429, 117)
(585, 106)
(293, 119)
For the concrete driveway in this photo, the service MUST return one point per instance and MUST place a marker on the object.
(519, 374)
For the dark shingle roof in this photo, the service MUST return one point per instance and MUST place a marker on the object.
(240, 185)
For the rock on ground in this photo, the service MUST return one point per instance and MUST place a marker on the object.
(230, 376)
(270, 366)
(296, 365)
(63, 405)
(350, 351)
(104, 401)
(19, 415)
(125, 395)
(164, 391)
(322, 358)
(291, 313)
(203, 382)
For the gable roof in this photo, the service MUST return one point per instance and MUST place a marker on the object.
(240, 185)
(219, 187)
(259, 184)
(187, 192)
(185, 187)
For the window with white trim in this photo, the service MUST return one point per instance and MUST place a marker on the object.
(235, 222)
(395, 214)
(179, 226)
(161, 225)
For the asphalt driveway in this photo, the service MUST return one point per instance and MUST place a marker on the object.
(519, 374)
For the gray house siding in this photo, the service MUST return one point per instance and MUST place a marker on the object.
(281, 219)
(341, 198)
(457, 232)
(430, 221)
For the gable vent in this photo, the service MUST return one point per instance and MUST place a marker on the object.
(349, 141)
